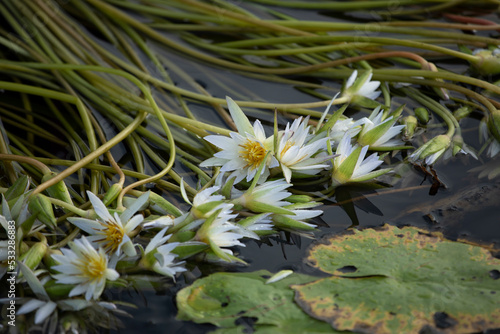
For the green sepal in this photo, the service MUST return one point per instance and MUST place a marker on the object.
(226, 189)
(494, 124)
(57, 290)
(333, 119)
(344, 172)
(48, 260)
(112, 194)
(41, 206)
(251, 220)
(34, 255)
(223, 255)
(18, 188)
(256, 206)
(185, 250)
(182, 236)
(365, 102)
(164, 204)
(372, 175)
(201, 211)
(288, 223)
(28, 224)
(58, 190)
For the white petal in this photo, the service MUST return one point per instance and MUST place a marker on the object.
(44, 311)
(99, 207)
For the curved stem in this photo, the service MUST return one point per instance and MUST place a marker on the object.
(19, 158)
(87, 159)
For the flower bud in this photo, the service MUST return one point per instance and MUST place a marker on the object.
(299, 199)
(35, 254)
(410, 123)
(432, 150)
(41, 206)
(462, 112)
(487, 62)
(422, 115)
(58, 190)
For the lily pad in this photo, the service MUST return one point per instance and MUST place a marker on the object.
(229, 300)
(392, 280)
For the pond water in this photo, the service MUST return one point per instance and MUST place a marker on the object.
(462, 206)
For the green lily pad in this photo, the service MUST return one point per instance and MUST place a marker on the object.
(225, 299)
(392, 280)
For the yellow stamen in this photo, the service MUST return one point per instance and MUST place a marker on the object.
(253, 153)
(94, 268)
(112, 236)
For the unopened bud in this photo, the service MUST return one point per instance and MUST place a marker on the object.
(41, 206)
(422, 115)
(58, 190)
(410, 123)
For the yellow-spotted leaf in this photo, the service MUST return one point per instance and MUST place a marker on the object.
(231, 300)
(392, 280)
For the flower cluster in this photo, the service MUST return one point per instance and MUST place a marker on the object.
(299, 150)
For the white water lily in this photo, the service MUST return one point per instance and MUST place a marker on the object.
(432, 150)
(345, 126)
(111, 231)
(351, 166)
(84, 266)
(266, 196)
(242, 152)
(362, 87)
(162, 252)
(377, 132)
(295, 152)
(219, 233)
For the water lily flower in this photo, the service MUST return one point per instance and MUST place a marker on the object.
(267, 197)
(341, 127)
(82, 264)
(361, 90)
(377, 132)
(244, 151)
(218, 232)
(351, 166)
(295, 152)
(432, 150)
(163, 257)
(111, 231)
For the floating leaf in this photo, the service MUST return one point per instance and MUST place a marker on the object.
(392, 280)
(227, 299)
